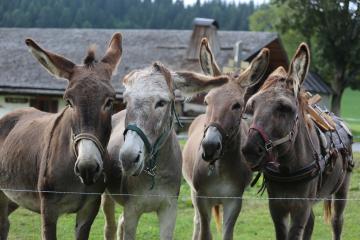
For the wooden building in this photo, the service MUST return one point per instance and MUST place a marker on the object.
(23, 82)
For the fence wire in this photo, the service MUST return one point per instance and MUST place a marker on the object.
(181, 197)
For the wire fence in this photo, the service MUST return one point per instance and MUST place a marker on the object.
(181, 197)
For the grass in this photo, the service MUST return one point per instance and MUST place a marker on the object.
(350, 111)
(254, 221)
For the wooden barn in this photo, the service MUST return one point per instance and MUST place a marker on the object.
(23, 82)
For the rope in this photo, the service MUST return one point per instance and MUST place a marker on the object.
(182, 197)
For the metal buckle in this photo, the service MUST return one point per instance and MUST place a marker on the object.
(268, 145)
(151, 172)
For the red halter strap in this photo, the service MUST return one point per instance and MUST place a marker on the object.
(270, 144)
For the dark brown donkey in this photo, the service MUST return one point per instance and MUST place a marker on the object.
(284, 145)
(213, 164)
(61, 152)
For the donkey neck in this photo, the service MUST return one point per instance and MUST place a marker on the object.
(165, 153)
(231, 151)
(301, 152)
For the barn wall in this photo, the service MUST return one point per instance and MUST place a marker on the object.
(10, 103)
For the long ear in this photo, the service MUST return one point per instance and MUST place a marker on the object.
(207, 60)
(114, 52)
(158, 66)
(191, 83)
(299, 67)
(56, 65)
(256, 73)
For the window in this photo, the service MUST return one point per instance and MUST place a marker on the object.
(45, 104)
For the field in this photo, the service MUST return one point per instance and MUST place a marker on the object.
(350, 111)
(254, 221)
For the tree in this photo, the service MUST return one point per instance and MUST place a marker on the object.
(335, 25)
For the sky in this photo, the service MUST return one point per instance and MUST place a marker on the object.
(188, 2)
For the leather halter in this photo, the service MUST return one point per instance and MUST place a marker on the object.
(87, 136)
(226, 137)
(153, 150)
(269, 144)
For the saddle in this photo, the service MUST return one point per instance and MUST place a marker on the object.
(334, 135)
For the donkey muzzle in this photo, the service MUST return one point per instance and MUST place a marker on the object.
(88, 166)
(211, 144)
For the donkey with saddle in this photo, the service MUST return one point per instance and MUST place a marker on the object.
(300, 164)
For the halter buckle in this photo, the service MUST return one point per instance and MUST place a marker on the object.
(151, 171)
(268, 146)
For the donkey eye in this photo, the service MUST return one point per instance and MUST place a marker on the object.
(109, 104)
(205, 102)
(160, 103)
(236, 106)
(69, 103)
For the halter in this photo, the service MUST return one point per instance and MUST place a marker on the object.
(77, 137)
(153, 150)
(270, 144)
(225, 139)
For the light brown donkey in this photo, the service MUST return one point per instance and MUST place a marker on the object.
(213, 164)
(145, 151)
(63, 152)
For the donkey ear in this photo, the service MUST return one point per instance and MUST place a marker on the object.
(114, 52)
(299, 67)
(207, 60)
(56, 65)
(191, 83)
(256, 73)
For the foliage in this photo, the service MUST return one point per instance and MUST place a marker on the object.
(155, 14)
(333, 29)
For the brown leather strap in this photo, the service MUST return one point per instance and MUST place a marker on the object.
(88, 136)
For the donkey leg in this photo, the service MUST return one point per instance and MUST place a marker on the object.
(12, 207)
(85, 217)
(204, 209)
(280, 219)
(309, 226)
(337, 220)
(4, 213)
(108, 207)
(49, 217)
(120, 230)
(167, 219)
(131, 220)
(196, 232)
(232, 210)
(299, 219)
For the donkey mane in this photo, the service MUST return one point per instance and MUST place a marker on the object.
(90, 59)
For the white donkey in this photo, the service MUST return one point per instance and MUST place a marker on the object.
(143, 140)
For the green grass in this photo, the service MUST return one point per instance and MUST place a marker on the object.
(254, 221)
(350, 111)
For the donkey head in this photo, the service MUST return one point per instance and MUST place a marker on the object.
(89, 96)
(225, 104)
(274, 110)
(149, 95)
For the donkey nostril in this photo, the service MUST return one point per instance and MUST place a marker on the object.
(218, 146)
(260, 149)
(77, 170)
(97, 168)
(137, 159)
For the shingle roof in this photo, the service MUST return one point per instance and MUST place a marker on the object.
(20, 72)
(315, 84)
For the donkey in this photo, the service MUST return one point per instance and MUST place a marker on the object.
(64, 152)
(213, 165)
(284, 145)
(145, 143)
